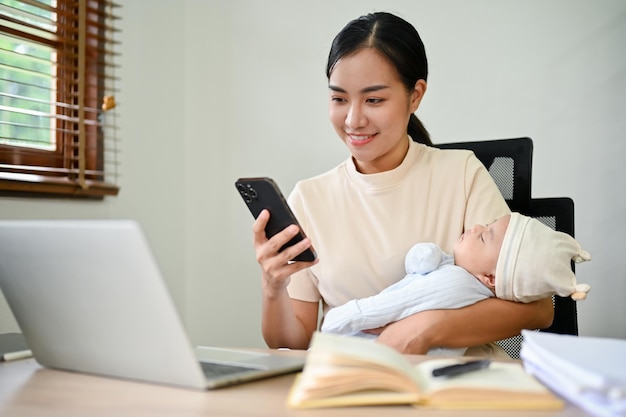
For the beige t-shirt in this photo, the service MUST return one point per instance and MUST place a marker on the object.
(363, 225)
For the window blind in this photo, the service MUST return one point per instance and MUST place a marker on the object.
(58, 129)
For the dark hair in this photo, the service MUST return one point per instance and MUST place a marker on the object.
(394, 38)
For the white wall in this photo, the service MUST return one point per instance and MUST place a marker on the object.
(150, 116)
(221, 89)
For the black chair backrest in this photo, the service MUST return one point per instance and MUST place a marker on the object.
(509, 161)
(558, 213)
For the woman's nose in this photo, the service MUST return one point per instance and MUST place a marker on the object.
(355, 118)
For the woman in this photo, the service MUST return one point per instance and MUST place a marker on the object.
(365, 214)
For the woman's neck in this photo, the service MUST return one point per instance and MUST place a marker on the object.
(391, 160)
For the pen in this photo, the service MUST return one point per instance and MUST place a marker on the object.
(461, 368)
(13, 356)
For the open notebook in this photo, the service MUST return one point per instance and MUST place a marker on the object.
(89, 297)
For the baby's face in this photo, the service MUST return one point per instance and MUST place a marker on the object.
(478, 248)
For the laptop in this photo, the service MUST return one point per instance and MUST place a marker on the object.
(88, 297)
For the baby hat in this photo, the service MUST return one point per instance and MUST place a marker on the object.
(535, 262)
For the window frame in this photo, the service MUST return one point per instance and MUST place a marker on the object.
(76, 168)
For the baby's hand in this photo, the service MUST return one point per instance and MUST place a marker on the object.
(422, 258)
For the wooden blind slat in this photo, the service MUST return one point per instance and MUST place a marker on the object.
(39, 5)
(69, 97)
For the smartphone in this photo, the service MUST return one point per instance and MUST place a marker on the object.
(263, 193)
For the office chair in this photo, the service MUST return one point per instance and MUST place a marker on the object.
(558, 214)
(509, 161)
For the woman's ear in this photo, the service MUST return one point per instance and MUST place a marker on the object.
(417, 94)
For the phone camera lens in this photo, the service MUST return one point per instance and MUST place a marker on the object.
(247, 192)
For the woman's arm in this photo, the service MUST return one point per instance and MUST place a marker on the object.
(484, 322)
(285, 323)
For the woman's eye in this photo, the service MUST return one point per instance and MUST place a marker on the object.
(337, 99)
(374, 100)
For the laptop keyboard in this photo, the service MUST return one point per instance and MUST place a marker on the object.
(217, 369)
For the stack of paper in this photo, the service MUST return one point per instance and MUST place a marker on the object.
(587, 371)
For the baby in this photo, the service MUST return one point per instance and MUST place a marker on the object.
(515, 258)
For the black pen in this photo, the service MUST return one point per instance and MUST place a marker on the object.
(461, 368)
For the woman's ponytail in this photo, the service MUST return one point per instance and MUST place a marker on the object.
(418, 132)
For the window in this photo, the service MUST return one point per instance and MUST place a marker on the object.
(58, 133)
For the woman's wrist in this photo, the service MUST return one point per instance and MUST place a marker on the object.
(274, 288)
(427, 330)
(416, 334)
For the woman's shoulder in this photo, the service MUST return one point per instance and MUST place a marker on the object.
(317, 192)
(449, 160)
(448, 155)
(321, 181)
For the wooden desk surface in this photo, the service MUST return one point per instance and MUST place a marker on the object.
(27, 389)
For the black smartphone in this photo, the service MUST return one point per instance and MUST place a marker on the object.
(263, 193)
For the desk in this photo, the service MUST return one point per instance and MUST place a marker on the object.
(27, 389)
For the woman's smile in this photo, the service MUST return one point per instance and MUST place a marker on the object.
(360, 140)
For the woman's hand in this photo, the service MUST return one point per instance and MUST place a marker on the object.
(285, 322)
(412, 335)
(276, 266)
